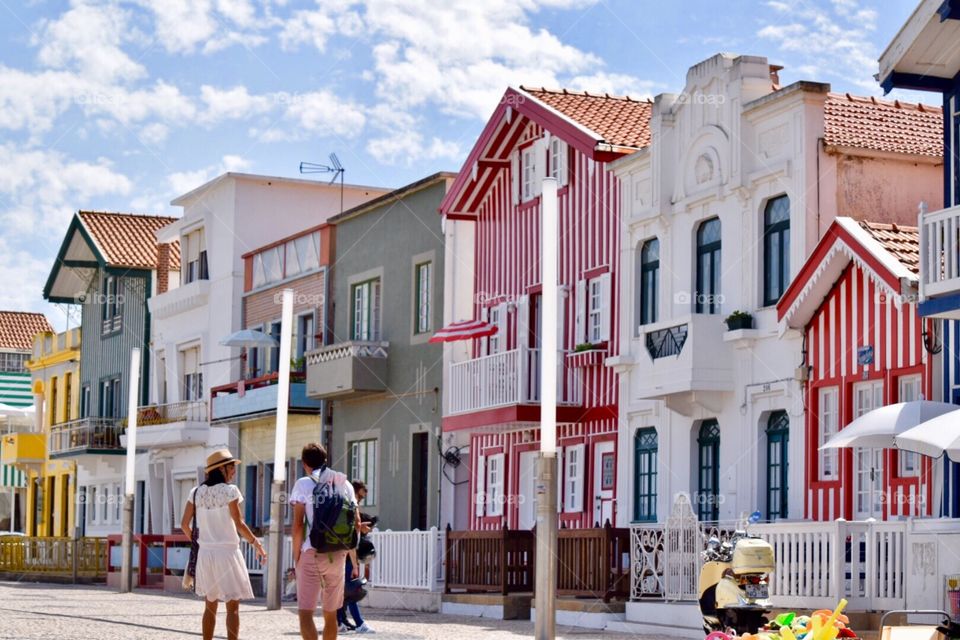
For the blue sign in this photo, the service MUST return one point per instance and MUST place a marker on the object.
(865, 355)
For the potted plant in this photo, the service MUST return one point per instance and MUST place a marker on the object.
(739, 320)
(298, 365)
(586, 354)
(583, 346)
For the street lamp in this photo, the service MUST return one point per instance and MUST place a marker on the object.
(546, 569)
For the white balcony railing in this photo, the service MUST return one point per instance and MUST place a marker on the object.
(508, 378)
(76, 436)
(940, 253)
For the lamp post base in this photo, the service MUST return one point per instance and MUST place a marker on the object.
(545, 579)
(126, 567)
(275, 550)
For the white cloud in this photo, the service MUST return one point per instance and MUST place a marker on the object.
(323, 113)
(154, 134)
(235, 103)
(186, 26)
(182, 182)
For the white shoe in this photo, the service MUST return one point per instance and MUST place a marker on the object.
(342, 628)
(365, 628)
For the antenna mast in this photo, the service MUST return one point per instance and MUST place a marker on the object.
(334, 167)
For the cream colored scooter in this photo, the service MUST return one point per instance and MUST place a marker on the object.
(733, 584)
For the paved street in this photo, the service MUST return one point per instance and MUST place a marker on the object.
(41, 612)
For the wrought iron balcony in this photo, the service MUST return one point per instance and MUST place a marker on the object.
(86, 436)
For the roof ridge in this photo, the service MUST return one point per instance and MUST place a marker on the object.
(893, 226)
(126, 214)
(896, 104)
(585, 93)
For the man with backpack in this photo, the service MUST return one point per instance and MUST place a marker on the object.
(326, 524)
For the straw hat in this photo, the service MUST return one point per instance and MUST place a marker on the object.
(220, 458)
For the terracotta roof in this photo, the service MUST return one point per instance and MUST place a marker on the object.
(901, 242)
(128, 239)
(17, 329)
(619, 120)
(882, 125)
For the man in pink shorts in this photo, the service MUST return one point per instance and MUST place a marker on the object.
(320, 574)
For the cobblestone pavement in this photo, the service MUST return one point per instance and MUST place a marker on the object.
(30, 611)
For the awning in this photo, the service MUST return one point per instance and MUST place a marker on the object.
(467, 330)
(934, 437)
(249, 338)
(878, 428)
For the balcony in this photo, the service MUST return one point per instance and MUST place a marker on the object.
(257, 398)
(26, 451)
(510, 378)
(180, 300)
(86, 436)
(348, 369)
(176, 424)
(680, 358)
(940, 263)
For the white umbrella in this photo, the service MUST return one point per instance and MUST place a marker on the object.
(249, 338)
(934, 437)
(877, 429)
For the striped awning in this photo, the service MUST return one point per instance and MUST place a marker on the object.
(12, 477)
(15, 389)
(467, 330)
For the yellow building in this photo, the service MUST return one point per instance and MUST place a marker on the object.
(51, 484)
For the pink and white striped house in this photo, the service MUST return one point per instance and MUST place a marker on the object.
(492, 218)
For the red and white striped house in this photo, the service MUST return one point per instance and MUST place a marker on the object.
(492, 220)
(855, 302)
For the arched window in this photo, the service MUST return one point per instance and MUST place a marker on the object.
(776, 249)
(708, 267)
(645, 475)
(708, 471)
(778, 441)
(649, 280)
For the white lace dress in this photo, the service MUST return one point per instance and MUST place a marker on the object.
(221, 572)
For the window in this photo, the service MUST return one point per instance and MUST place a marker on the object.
(363, 466)
(192, 376)
(649, 280)
(275, 351)
(53, 408)
(867, 396)
(495, 342)
(366, 311)
(558, 160)
(776, 249)
(528, 172)
(13, 362)
(67, 396)
(573, 479)
(829, 424)
(85, 401)
(594, 311)
(306, 334)
(111, 400)
(194, 250)
(112, 304)
(645, 475)
(707, 299)
(495, 495)
(908, 388)
(708, 476)
(250, 481)
(778, 440)
(423, 307)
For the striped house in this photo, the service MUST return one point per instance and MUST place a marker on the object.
(865, 346)
(17, 329)
(492, 221)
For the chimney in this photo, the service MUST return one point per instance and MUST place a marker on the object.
(163, 268)
(775, 74)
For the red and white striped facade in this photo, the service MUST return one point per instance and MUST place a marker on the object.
(506, 268)
(853, 293)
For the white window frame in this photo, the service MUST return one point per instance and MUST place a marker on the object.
(528, 172)
(909, 388)
(829, 424)
(305, 343)
(595, 312)
(574, 475)
(557, 151)
(191, 381)
(366, 299)
(423, 296)
(481, 486)
(867, 396)
(495, 485)
(363, 466)
(495, 316)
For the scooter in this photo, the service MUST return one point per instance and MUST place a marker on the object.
(733, 585)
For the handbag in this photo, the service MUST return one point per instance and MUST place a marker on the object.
(190, 573)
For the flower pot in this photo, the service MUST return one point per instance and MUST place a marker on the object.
(739, 322)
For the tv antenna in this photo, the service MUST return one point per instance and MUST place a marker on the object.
(334, 167)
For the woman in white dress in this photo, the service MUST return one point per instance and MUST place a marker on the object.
(221, 572)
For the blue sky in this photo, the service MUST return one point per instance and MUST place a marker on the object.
(124, 105)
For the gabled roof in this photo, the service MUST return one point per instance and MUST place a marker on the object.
(889, 253)
(602, 127)
(882, 125)
(101, 239)
(17, 329)
(128, 239)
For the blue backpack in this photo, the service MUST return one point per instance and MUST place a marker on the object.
(334, 519)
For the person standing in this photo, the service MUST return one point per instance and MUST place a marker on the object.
(221, 574)
(352, 572)
(320, 573)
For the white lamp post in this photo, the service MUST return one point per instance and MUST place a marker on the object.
(277, 499)
(126, 567)
(546, 569)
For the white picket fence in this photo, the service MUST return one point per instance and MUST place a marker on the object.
(254, 566)
(408, 559)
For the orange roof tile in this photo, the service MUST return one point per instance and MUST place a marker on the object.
(17, 329)
(882, 125)
(902, 242)
(620, 121)
(128, 239)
